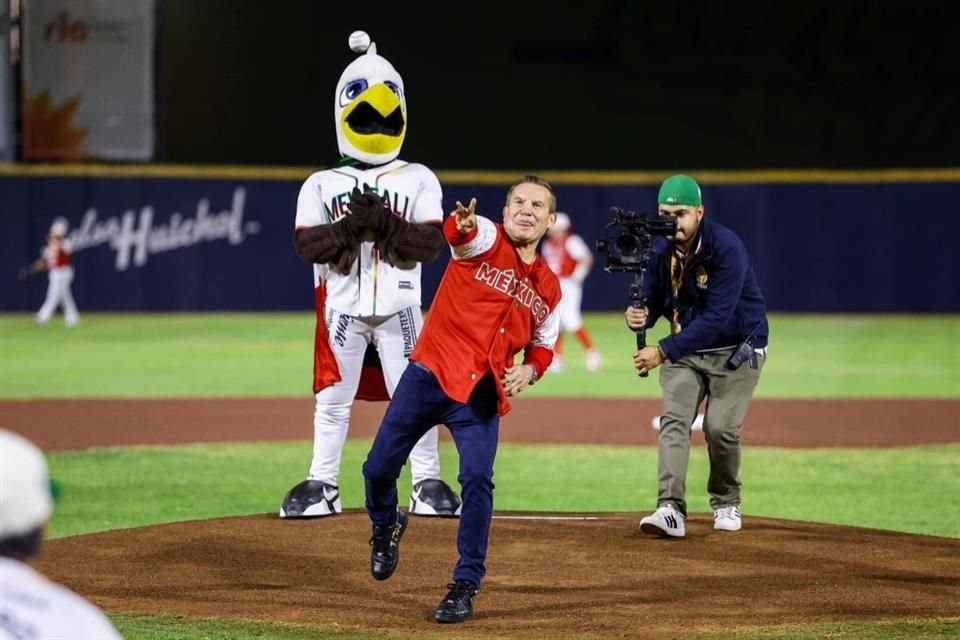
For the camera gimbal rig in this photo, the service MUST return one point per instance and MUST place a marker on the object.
(626, 247)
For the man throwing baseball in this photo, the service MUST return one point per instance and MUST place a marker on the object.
(365, 226)
(497, 297)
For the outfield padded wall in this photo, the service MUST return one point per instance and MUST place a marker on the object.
(165, 242)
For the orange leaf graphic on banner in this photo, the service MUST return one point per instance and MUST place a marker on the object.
(49, 133)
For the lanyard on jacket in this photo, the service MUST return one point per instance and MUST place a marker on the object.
(677, 268)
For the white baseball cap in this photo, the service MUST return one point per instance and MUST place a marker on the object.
(25, 498)
(59, 227)
(562, 223)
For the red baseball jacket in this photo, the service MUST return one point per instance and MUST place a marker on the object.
(489, 307)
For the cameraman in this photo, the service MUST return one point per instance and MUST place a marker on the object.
(701, 281)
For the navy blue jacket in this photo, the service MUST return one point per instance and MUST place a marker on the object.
(720, 301)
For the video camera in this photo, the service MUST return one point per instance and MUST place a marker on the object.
(626, 246)
(628, 238)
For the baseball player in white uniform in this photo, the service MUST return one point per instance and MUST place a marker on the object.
(31, 606)
(56, 260)
(568, 256)
(366, 225)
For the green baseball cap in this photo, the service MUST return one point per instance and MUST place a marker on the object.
(680, 189)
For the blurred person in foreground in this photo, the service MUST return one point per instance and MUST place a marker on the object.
(31, 606)
(702, 282)
(570, 258)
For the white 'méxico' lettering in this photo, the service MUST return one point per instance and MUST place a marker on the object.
(135, 237)
(505, 282)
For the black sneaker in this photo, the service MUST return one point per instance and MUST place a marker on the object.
(457, 606)
(434, 497)
(311, 499)
(385, 548)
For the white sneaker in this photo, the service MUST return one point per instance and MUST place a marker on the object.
(696, 426)
(665, 522)
(311, 499)
(594, 360)
(727, 518)
(557, 365)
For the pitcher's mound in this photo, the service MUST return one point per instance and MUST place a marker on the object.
(549, 575)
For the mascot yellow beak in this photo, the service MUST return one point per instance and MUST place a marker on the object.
(374, 122)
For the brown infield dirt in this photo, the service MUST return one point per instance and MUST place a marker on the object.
(549, 575)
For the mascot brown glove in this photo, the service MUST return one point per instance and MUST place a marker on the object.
(336, 244)
(404, 241)
(367, 211)
(398, 241)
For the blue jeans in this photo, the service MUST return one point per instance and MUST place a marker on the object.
(419, 403)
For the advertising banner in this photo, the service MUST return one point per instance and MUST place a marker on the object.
(88, 80)
(216, 244)
(158, 244)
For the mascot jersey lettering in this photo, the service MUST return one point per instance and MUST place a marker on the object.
(373, 287)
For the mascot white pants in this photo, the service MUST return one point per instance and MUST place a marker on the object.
(394, 337)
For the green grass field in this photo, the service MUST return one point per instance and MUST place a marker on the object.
(869, 488)
(270, 355)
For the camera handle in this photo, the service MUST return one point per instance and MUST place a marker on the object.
(637, 301)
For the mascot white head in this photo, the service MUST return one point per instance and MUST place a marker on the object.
(370, 107)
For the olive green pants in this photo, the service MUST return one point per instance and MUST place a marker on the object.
(685, 385)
